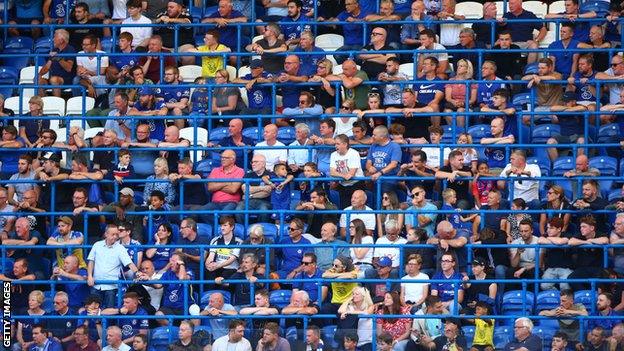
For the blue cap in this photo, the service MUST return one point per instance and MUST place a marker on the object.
(256, 63)
(146, 91)
(385, 261)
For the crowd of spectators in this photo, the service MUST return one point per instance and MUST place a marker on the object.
(356, 119)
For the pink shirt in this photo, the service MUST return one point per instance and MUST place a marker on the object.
(219, 173)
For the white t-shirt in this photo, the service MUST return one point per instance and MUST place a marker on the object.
(368, 257)
(91, 63)
(614, 89)
(273, 156)
(155, 294)
(345, 128)
(414, 291)
(119, 10)
(433, 156)
(449, 33)
(393, 254)
(367, 218)
(223, 344)
(441, 56)
(529, 189)
(139, 34)
(345, 163)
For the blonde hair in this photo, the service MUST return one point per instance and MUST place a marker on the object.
(224, 73)
(328, 64)
(469, 69)
(37, 100)
(367, 301)
(161, 161)
(447, 193)
(38, 295)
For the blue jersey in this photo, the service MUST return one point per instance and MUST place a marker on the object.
(291, 256)
(280, 199)
(455, 218)
(126, 61)
(157, 126)
(58, 8)
(290, 92)
(199, 101)
(427, 91)
(161, 257)
(446, 290)
(587, 91)
(495, 156)
(173, 296)
(77, 293)
(381, 156)
(309, 62)
(259, 97)
(173, 93)
(485, 91)
(131, 326)
(563, 59)
(353, 33)
(292, 28)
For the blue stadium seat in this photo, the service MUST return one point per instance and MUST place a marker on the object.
(19, 43)
(161, 337)
(107, 44)
(545, 332)
(8, 76)
(227, 297)
(216, 134)
(291, 334)
(197, 13)
(19, 61)
(280, 298)
(515, 299)
(614, 194)
(286, 135)
(239, 231)
(478, 132)
(502, 336)
(43, 46)
(585, 297)
(8, 265)
(204, 230)
(562, 165)
(447, 137)
(270, 231)
(531, 68)
(601, 8)
(608, 133)
(469, 332)
(327, 334)
(253, 133)
(542, 163)
(605, 164)
(204, 167)
(549, 323)
(547, 300)
(543, 132)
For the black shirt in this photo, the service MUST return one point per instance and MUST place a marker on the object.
(63, 193)
(93, 224)
(483, 31)
(507, 63)
(461, 187)
(589, 257)
(425, 184)
(185, 34)
(372, 68)
(76, 34)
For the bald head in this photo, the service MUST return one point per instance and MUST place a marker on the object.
(172, 134)
(445, 230)
(358, 199)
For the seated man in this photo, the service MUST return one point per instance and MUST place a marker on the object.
(587, 261)
(175, 95)
(62, 69)
(173, 294)
(428, 42)
(509, 64)
(496, 155)
(259, 97)
(325, 256)
(63, 236)
(523, 336)
(90, 69)
(130, 327)
(565, 61)
(291, 257)
(217, 307)
(354, 35)
(455, 168)
(225, 195)
(223, 262)
(358, 203)
(581, 83)
(260, 307)
(523, 31)
(148, 106)
(257, 194)
(375, 63)
(271, 148)
(567, 308)
(572, 125)
(152, 64)
(516, 169)
(242, 291)
(523, 260)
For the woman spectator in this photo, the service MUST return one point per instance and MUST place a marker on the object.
(399, 328)
(390, 202)
(345, 163)
(23, 334)
(362, 256)
(471, 157)
(325, 94)
(414, 294)
(374, 106)
(555, 200)
(161, 172)
(30, 129)
(342, 268)
(451, 298)
(418, 236)
(512, 222)
(160, 255)
(360, 302)
(226, 100)
(500, 256)
(455, 94)
(476, 292)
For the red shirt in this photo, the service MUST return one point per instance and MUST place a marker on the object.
(153, 70)
(91, 346)
(219, 173)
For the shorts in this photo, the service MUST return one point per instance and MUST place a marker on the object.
(567, 139)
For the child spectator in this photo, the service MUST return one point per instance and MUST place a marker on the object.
(310, 170)
(280, 195)
(484, 329)
(471, 157)
(157, 205)
(481, 188)
(449, 198)
(124, 168)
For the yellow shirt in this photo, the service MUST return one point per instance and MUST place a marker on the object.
(484, 333)
(211, 64)
(341, 292)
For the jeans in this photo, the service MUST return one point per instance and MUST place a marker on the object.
(254, 204)
(556, 273)
(108, 297)
(212, 206)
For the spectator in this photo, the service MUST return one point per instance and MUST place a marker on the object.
(124, 63)
(65, 236)
(196, 195)
(449, 172)
(81, 15)
(223, 262)
(318, 203)
(451, 299)
(159, 181)
(597, 40)
(124, 205)
(590, 200)
(345, 163)
(236, 138)
(234, 338)
(42, 341)
(25, 172)
(114, 341)
(291, 257)
(452, 335)
(428, 96)
(391, 237)
(414, 294)
(149, 273)
(268, 46)
(161, 254)
(325, 93)
(382, 272)
(496, 155)
(82, 341)
(310, 62)
(374, 64)
(90, 69)
(225, 195)
(613, 73)
(391, 73)
(152, 64)
(185, 341)
(217, 307)
(247, 271)
(61, 69)
(25, 235)
(174, 95)
(426, 219)
(474, 291)
(387, 156)
(313, 339)
(140, 35)
(137, 77)
(417, 168)
(467, 41)
(455, 94)
(523, 336)
(212, 45)
(565, 62)
(271, 339)
(387, 13)
(500, 104)
(25, 329)
(353, 33)
(125, 239)
(588, 263)
(224, 16)
(139, 343)
(260, 307)
(259, 98)
(9, 159)
(399, 328)
(603, 308)
(173, 293)
(596, 339)
(516, 169)
(294, 24)
(173, 140)
(375, 106)
(81, 205)
(580, 83)
(485, 91)
(257, 193)
(189, 236)
(567, 308)
(70, 271)
(425, 330)
(342, 292)
(559, 341)
(117, 122)
(523, 260)
(325, 253)
(307, 107)
(617, 237)
(176, 15)
(297, 158)
(358, 203)
(509, 64)
(29, 129)
(502, 221)
(271, 151)
(106, 259)
(257, 239)
(226, 100)
(428, 42)
(571, 13)
(548, 95)
(523, 32)
(572, 124)
(301, 304)
(148, 106)
(352, 79)
(130, 327)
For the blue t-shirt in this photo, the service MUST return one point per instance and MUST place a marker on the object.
(57, 70)
(381, 156)
(522, 31)
(128, 60)
(427, 91)
(93, 333)
(291, 28)
(353, 33)
(291, 256)
(587, 91)
(402, 6)
(309, 62)
(29, 9)
(290, 91)
(161, 257)
(10, 158)
(200, 101)
(495, 157)
(173, 93)
(280, 199)
(62, 328)
(157, 126)
(227, 34)
(446, 290)
(173, 296)
(455, 218)
(77, 293)
(58, 7)
(132, 326)
(486, 90)
(310, 287)
(259, 97)
(563, 59)
(133, 250)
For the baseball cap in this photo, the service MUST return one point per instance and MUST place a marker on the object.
(385, 262)
(179, 2)
(51, 156)
(478, 262)
(65, 220)
(256, 63)
(127, 191)
(146, 91)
